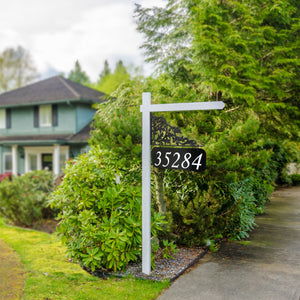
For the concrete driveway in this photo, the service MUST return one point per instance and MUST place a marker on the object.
(268, 267)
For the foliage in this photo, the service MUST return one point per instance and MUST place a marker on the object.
(110, 81)
(295, 179)
(100, 219)
(117, 127)
(169, 249)
(242, 165)
(106, 71)
(5, 175)
(78, 75)
(164, 249)
(23, 200)
(16, 69)
(245, 54)
(50, 276)
(241, 52)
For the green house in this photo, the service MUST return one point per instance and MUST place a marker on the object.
(44, 124)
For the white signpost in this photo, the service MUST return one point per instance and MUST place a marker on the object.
(146, 108)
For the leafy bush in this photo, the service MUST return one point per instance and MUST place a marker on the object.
(23, 200)
(100, 219)
(5, 175)
(214, 203)
(295, 179)
(223, 200)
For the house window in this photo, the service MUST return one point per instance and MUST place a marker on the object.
(45, 117)
(7, 162)
(32, 161)
(62, 159)
(2, 118)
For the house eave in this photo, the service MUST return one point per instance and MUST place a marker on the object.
(67, 101)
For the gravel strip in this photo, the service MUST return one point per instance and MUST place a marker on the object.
(165, 269)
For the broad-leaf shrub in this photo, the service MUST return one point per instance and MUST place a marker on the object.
(23, 200)
(100, 219)
(5, 175)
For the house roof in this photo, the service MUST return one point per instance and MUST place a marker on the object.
(79, 138)
(51, 90)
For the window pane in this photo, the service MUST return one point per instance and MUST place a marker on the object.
(32, 162)
(2, 119)
(62, 160)
(7, 163)
(45, 115)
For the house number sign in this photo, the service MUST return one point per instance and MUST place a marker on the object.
(187, 159)
(181, 158)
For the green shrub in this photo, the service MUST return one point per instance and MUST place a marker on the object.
(100, 219)
(295, 179)
(23, 201)
(223, 200)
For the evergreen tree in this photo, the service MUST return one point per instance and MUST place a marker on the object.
(106, 71)
(109, 82)
(245, 52)
(78, 75)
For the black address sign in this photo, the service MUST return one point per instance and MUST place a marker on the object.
(189, 159)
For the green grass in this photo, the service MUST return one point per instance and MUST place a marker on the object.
(49, 275)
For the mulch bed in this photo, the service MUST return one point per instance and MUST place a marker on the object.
(165, 269)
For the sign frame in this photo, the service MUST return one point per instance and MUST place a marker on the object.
(146, 108)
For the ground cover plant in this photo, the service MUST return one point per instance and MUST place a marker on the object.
(50, 275)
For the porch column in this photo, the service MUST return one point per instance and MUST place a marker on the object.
(14, 155)
(56, 168)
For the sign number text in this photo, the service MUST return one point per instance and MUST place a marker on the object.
(191, 159)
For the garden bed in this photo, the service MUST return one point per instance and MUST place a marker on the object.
(165, 269)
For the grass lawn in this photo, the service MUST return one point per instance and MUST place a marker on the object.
(49, 275)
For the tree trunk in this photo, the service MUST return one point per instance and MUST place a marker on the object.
(159, 190)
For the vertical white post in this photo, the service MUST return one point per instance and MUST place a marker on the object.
(146, 186)
(56, 155)
(14, 155)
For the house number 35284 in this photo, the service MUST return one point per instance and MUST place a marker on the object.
(189, 159)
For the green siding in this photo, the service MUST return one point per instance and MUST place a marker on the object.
(84, 115)
(22, 122)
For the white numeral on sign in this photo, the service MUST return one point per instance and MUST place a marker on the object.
(186, 163)
(167, 159)
(175, 164)
(159, 159)
(197, 161)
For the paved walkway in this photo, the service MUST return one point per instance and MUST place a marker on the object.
(267, 268)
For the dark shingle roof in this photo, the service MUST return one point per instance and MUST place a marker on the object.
(54, 89)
